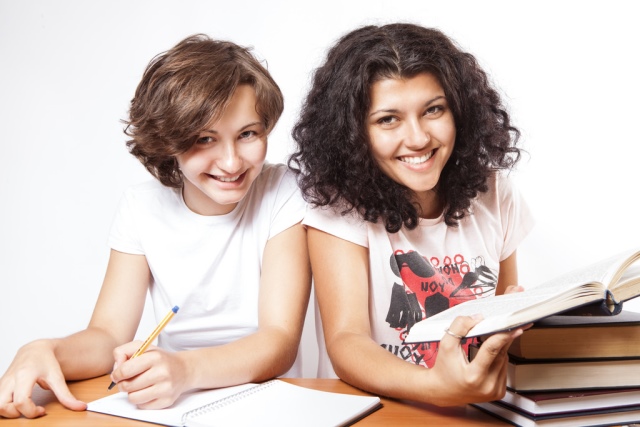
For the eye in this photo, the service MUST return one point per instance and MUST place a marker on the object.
(387, 120)
(434, 110)
(205, 140)
(248, 134)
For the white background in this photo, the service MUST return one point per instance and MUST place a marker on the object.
(68, 69)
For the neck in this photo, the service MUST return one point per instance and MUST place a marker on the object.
(431, 205)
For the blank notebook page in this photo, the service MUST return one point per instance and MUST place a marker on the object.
(283, 404)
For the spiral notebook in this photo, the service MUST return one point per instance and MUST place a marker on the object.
(272, 403)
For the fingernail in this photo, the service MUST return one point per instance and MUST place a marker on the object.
(477, 316)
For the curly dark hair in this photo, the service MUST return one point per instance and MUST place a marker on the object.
(333, 158)
(184, 89)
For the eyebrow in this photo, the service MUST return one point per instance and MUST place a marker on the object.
(248, 125)
(393, 110)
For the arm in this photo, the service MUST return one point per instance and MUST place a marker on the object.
(340, 271)
(508, 276)
(85, 354)
(157, 378)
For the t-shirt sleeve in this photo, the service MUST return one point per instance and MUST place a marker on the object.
(123, 236)
(516, 217)
(289, 206)
(348, 227)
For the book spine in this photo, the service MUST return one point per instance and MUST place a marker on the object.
(605, 307)
(210, 407)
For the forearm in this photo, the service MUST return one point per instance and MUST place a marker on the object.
(361, 362)
(263, 355)
(454, 382)
(85, 354)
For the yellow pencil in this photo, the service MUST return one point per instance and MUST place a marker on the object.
(152, 337)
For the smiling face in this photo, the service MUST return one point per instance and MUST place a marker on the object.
(412, 135)
(220, 167)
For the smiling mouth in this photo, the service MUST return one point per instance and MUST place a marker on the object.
(226, 178)
(416, 160)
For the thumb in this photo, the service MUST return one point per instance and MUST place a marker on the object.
(59, 387)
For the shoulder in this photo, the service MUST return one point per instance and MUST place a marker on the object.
(503, 208)
(275, 177)
(502, 202)
(500, 188)
(349, 226)
(150, 198)
(275, 197)
(152, 186)
(149, 191)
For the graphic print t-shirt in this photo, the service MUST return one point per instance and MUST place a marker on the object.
(417, 273)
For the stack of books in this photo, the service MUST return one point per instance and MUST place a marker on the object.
(578, 370)
(573, 371)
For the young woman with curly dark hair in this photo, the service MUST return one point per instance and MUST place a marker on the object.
(400, 145)
(217, 233)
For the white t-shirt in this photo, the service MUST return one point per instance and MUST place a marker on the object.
(209, 266)
(417, 273)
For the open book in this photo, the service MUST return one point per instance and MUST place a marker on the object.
(272, 403)
(597, 289)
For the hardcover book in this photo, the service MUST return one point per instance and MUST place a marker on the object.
(543, 375)
(608, 417)
(564, 402)
(580, 337)
(599, 288)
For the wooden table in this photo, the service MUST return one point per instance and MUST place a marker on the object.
(393, 412)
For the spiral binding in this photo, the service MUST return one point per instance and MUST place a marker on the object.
(210, 407)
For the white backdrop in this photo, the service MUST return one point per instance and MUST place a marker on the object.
(68, 69)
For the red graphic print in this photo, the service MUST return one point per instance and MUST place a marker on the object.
(428, 287)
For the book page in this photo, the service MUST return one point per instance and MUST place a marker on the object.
(118, 404)
(628, 286)
(570, 290)
(504, 311)
(604, 272)
(278, 403)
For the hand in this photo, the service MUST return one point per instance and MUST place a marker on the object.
(512, 289)
(35, 363)
(461, 381)
(153, 380)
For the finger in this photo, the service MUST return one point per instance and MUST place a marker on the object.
(124, 352)
(22, 401)
(8, 410)
(157, 404)
(58, 386)
(493, 347)
(143, 398)
(459, 328)
(132, 368)
(512, 289)
(499, 377)
(525, 327)
(156, 396)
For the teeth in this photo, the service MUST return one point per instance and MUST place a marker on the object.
(228, 179)
(417, 160)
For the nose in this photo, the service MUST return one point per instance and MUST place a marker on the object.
(230, 161)
(417, 134)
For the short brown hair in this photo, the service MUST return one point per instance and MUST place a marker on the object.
(184, 89)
